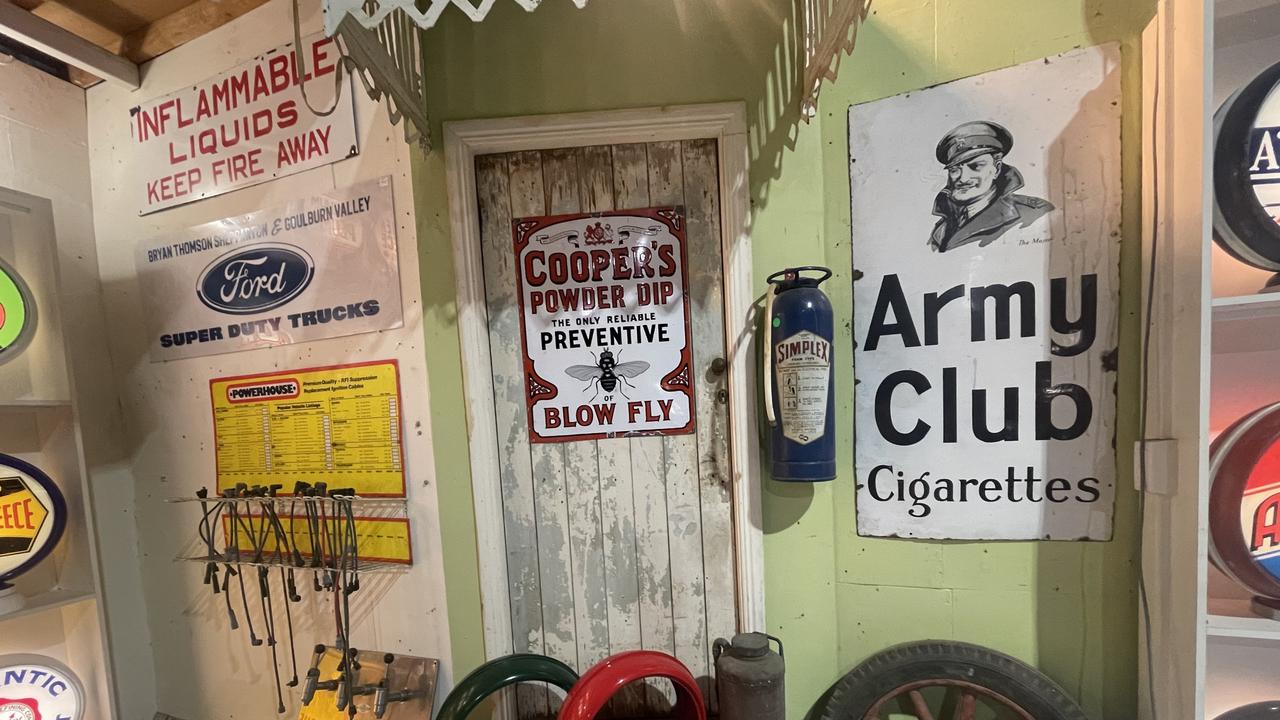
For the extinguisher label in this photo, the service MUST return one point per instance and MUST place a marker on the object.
(802, 364)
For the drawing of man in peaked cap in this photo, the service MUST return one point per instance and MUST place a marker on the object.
(980, 202)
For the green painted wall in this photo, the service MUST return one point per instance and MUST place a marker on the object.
(834, 597)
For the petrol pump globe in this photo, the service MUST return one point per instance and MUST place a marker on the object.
(1244, 506)
(1269, 710)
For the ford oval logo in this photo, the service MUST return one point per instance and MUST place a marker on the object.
(256, 279)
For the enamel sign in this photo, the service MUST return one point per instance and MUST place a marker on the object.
(38, 688)
(17, 313)
(986, 247)
(605, 324)
(246, 126)
(322, 267)
(32, 517)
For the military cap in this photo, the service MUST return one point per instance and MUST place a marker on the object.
(972, 139)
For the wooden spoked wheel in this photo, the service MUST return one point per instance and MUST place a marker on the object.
(943, 680)
(961, 700)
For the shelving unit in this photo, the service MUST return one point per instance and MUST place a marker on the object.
(1236, 323)
(1243, 306)
(1232, 618)
(49, 600)
(1244, 373)
(63, 616)
(1213, 355)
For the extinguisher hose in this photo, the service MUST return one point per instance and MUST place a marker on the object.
(766, 349)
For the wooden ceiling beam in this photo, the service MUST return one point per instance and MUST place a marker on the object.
(68, 19)
(65, 45)
(190, 22)
(81, 77)
(145, 43)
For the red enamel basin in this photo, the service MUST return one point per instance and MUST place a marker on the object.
(604, 681)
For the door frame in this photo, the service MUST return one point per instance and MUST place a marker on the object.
(463, 142)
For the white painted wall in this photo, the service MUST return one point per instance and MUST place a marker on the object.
(202, 670)
(44, 152)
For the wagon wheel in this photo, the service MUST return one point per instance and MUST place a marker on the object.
(937, 680)
(961, 700)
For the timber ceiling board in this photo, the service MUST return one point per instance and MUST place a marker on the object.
(137, 29)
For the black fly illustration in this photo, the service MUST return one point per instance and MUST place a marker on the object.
(606, 373)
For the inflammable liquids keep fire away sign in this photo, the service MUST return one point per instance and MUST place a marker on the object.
(605, 324)
(245, 126)
(986, 228)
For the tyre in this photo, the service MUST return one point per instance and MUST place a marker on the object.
(937, 680)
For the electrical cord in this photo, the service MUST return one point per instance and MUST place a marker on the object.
(1145, 391)
(352, 585)
(302, 69)
(284, 554)
(264, 589)
(235, 550)
(343, 549)
(208, 520)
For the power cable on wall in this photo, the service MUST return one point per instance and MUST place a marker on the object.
(302, 69)
(1144, 394)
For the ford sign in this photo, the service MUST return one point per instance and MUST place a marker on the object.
(257, 279)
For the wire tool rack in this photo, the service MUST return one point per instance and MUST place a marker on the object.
(297, 532)
(333, 536)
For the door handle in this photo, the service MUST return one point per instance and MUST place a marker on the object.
(718, 366)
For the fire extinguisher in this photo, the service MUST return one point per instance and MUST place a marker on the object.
(799, 393)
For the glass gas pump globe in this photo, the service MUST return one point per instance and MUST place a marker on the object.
(1269, 710)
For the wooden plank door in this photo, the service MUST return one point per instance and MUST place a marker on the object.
(618, 544)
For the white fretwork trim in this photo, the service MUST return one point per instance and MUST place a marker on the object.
(830, 31)
(371, 12)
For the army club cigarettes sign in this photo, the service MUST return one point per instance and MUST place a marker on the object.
(986, 226)
(605, 324)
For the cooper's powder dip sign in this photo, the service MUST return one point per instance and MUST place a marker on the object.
(986, 226)
(243, 127)
(605, 324)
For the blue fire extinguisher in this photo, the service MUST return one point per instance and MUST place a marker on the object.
(799, 392)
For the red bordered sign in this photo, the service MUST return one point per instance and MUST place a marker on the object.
(604, 324)
(341, 424)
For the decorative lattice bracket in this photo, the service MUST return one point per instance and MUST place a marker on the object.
(382, 44)
(371, 13)
(830, 32)
(382, 40)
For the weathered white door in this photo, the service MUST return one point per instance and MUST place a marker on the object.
(617, 544)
